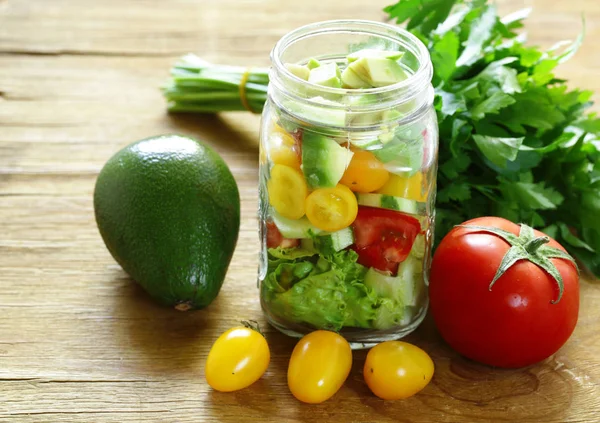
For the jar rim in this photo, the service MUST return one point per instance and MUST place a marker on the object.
(417, 80)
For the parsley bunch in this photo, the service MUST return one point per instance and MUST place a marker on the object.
(515, 141)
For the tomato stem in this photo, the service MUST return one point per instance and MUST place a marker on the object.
(526, 246)
(252, 324)
(534, 245)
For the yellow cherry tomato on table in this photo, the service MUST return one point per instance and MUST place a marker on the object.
(319, 366)
(397, 370)
(287, 191)
(237, 359)
(405, 186)
(331, 209)
(365, 173)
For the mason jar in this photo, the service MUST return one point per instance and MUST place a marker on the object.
(347, 187)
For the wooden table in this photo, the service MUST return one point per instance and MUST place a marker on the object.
(79, 342)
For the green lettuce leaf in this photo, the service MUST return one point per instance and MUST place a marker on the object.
(326, 292)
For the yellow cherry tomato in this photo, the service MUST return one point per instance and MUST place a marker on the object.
(331, 209)
(283, 150)
(237, 359)
(287, 191)
(408, 187)
(365, 173)
(319, 366)
(397, 370)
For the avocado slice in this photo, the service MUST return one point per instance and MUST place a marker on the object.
(313, 63)
(381, 54)
(378, 72)
(350, 79)
(300, 71)
(327, 75)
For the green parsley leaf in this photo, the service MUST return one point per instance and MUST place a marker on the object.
(498, 150)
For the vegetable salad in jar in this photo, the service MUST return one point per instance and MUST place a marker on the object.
(347, 181)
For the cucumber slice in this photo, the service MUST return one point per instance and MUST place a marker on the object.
(334, 242)
(324, 161)
(418, 248)
(390, 202)
(290, 228)
(410, 272)
(404, 205)
(381, 54)
(404, 288)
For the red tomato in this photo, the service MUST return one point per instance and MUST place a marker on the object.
(383, 238)
(275, 239)
(513, 324)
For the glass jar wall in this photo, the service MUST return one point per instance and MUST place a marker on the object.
(347, 182)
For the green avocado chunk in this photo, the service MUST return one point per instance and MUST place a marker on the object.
(300, 71)
(378, 72)
(327, 75)
(380, 54)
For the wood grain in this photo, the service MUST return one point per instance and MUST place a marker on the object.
(79, 342)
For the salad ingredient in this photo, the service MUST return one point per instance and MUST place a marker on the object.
(351, 80)
(319, 366)
(237, 359)
(405, 186)
(331, 209)
(364, 173)
(283, 149)
(323, 160)
(403, 288)
(397, 370)
(379, 54)
(317, 115)
(383, 237)
(168, 210)
(275, 238)
(327, 75)
(313, 63)
(287, 191)
(503, 295)
(334, 242)
(388, 202)
(300, 71)
(294, 228)
(326, 291)
(401, 156)
(378, 72)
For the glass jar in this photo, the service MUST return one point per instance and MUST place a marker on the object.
(347, 189)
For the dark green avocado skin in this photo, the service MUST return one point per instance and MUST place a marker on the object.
(168, 210)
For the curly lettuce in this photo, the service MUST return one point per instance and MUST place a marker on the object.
(326, 291)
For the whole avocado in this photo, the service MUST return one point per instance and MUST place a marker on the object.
(168, 210)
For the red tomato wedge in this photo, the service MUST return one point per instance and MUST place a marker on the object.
(383, 238)
(275, 239)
